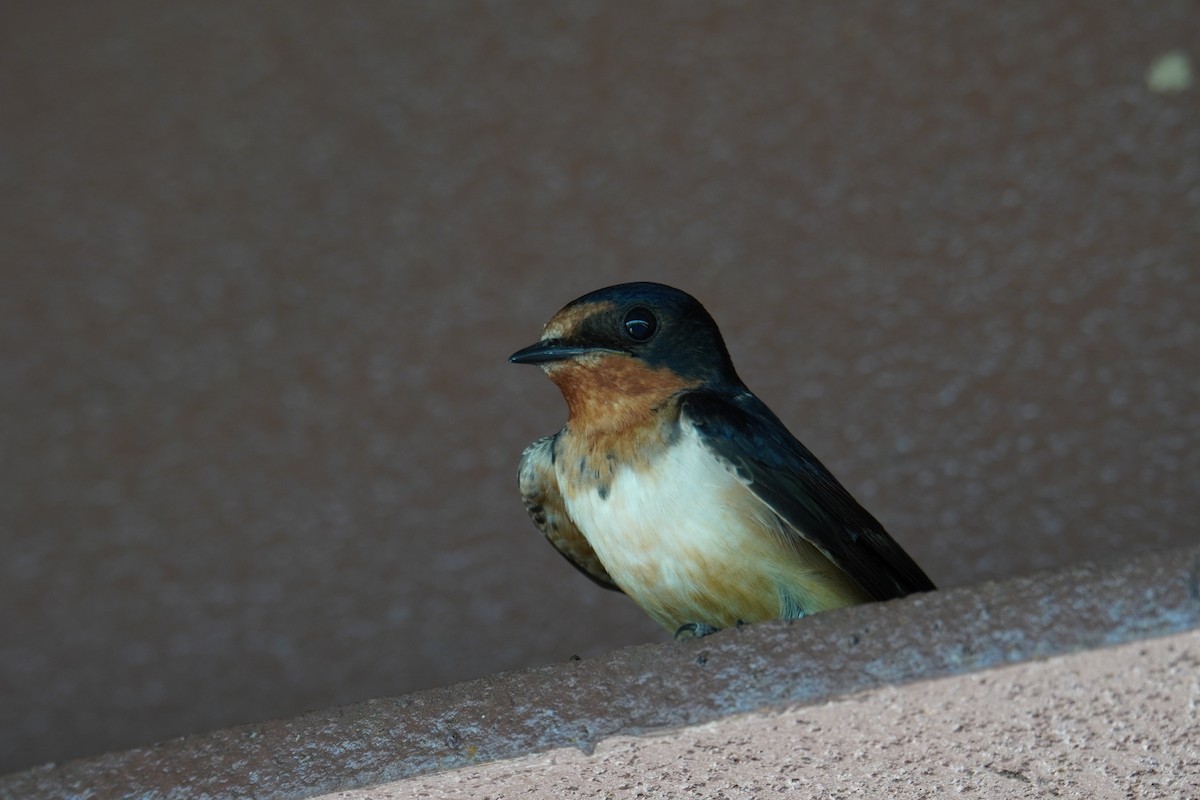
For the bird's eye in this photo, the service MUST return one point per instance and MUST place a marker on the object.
(640, 324)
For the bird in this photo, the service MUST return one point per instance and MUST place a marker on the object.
(673, 483)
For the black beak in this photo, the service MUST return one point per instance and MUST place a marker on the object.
(547, 351)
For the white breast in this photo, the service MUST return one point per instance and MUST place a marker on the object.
(669, 533)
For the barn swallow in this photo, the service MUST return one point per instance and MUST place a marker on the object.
(673, 483)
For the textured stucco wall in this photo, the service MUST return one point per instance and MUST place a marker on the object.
(262, 266)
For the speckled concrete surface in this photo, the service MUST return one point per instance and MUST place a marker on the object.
(262, 266)
(586, 704)
(1113, 723)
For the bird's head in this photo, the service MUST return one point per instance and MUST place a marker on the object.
(630, 347)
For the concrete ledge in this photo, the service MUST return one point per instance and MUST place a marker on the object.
(1115, 722)
(653, 687)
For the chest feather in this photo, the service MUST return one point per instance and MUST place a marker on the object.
(678, 532)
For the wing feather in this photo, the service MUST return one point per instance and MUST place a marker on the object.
(740, 430)
(543, 501)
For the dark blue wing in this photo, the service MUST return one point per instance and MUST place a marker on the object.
(739, 429)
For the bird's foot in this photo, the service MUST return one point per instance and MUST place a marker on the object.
(694, 630)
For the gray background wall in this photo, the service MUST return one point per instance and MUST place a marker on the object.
(262, 266)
